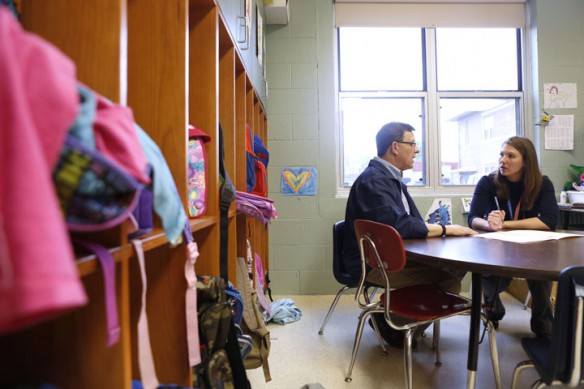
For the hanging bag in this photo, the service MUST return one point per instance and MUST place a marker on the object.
(197, 172)
(214, 313)
(257, 207)
(250, 159)
(101, 168)
(253, 323)
(94, 193)
(262, 158)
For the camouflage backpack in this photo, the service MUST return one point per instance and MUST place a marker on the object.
(253, 323)
(221, 364)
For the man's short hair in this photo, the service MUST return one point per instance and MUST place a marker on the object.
(390, 133)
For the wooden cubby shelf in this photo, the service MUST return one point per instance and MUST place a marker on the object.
(174, 63)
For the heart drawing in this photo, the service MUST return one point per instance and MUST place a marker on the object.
(296, 182)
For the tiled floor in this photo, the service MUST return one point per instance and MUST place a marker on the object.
(299, 355)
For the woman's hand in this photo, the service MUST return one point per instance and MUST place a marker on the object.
(456, 230)
(495, 220)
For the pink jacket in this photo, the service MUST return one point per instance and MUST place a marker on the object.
(38, 103)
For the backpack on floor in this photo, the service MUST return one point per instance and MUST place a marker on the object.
(221, 364)
(253, 323)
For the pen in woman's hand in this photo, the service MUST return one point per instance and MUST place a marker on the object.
(499, 209)
(497, 202)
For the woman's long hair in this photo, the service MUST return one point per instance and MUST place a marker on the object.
(532, 178)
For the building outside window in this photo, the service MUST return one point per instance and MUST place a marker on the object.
(461, 88)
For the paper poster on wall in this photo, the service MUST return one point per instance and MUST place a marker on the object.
(299, 181)
(559, 133)
(440, 212)
(260, 37)
(466, 204)
(559, 95)
(244, 26)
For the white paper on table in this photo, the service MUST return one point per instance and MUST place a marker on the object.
(559, 133)
(527, 236)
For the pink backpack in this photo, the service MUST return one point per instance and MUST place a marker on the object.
(197, 172)
(257, 207)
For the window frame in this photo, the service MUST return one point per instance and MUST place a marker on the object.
(431, 96)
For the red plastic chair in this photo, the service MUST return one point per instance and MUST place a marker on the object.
(409, 307)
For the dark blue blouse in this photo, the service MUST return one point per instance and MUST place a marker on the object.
(483, 202)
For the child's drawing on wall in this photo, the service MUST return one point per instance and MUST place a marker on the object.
(440, 212)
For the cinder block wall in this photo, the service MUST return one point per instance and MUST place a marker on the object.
(302, 129)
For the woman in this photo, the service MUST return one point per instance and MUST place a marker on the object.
(516, 196)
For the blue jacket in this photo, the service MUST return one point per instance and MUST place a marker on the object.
(483, 202)
(376, 195)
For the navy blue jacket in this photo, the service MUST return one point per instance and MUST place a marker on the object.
(376, 195)
(483, 202)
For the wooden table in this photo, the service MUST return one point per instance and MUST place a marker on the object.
(540, 260)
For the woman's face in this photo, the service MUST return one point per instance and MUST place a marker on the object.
(511, 164)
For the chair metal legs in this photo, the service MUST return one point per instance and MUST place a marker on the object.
(368, 297)
(528, 364)
(492, 347)
(332, 308)
(407, 347)
(517, 372)
(357, 342)
(494, 355)
(436, 342)
(408, 357)
(526, 302)
(379, 338)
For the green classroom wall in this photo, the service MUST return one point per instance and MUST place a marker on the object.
(301, 109)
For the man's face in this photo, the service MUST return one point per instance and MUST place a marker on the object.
(406, 151)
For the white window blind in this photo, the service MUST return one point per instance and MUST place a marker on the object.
(429, 14)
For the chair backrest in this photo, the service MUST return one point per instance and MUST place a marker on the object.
(381, 245)
(341, 274)
(565, 362)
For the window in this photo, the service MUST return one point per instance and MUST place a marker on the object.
(461, 88)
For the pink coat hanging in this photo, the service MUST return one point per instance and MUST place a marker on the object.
(38, 103)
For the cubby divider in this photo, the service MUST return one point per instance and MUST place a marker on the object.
(174, 63)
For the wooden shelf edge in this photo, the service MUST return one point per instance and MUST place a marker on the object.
(203, 222)
(153, 240)
(88, 264)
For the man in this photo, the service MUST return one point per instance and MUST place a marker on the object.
(378, 194)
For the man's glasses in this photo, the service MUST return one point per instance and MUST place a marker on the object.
(413, 144)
